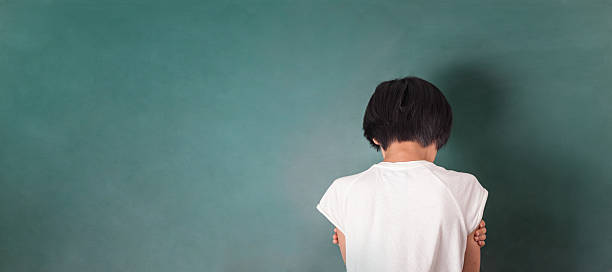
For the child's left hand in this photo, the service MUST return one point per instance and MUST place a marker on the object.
(480, 235)
(335, 236)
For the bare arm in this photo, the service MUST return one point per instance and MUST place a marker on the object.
(340, 240)
(471, 261)
(342, 245)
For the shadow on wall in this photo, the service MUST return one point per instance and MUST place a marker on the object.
(530, 214)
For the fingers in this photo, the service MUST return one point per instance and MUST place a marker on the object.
(480, 232)
(480, 237)
(335, 237)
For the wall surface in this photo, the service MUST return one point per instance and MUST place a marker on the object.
(199, 135)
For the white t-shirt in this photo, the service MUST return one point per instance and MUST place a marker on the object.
(405, 216)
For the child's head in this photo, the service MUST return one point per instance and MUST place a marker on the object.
(407, 109)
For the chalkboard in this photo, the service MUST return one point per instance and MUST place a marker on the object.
(199, 135)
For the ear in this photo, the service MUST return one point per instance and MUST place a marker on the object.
(375, 141)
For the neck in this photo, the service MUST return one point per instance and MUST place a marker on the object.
(409, 151)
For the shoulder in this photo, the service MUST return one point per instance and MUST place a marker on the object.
(344, 183)
(454, 178)
(469, 194)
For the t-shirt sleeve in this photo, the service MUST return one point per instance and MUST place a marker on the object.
(476, 204)
(331, 206)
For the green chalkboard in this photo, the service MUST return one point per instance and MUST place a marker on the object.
(199, 135)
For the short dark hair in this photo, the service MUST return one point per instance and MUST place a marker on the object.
(407, 109)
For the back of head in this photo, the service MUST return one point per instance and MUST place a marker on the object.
(407, 109)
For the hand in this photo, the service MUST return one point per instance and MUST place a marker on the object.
(335, 236)
(480, 234)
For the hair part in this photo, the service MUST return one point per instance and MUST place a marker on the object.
(407, 109)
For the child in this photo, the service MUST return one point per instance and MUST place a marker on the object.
(406, 213)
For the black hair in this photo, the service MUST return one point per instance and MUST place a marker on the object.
(407, 109)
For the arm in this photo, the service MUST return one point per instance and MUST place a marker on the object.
(471, 261)
(339, 239)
